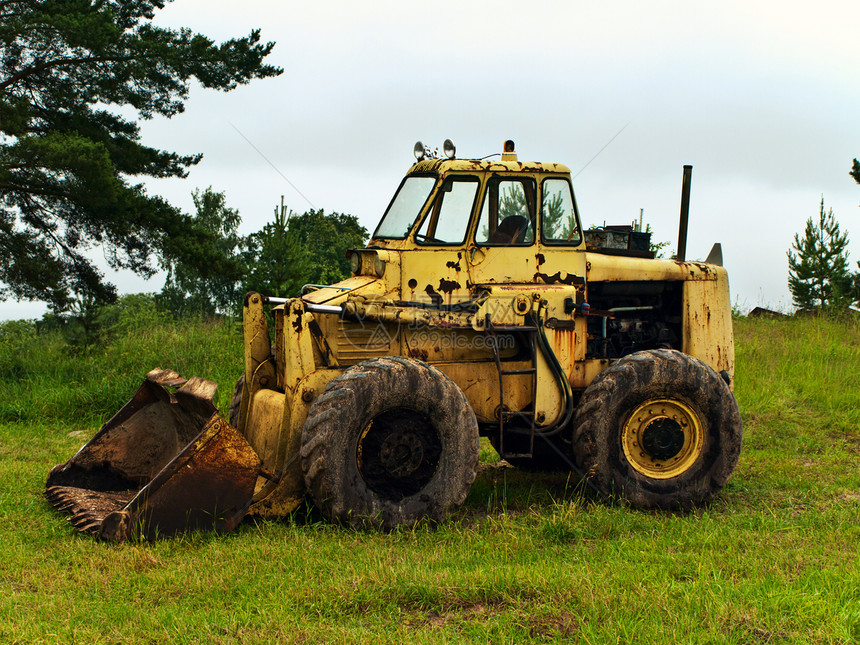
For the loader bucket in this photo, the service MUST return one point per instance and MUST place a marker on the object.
(164, 464)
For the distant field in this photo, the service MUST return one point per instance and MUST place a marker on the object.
(528, 558)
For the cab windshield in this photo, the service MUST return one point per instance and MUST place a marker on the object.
(405, 207)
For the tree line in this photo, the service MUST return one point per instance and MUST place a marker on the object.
(278, 260)
(293, 250)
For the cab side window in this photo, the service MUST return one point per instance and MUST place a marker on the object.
(508, 213)
(558, 216)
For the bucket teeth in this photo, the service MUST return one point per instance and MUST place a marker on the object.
(92, 528)
(85, 522)
(54, 495)
(87, 509)
(79, 519)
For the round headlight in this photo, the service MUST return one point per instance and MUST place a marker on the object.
(379, 266)
(418, 151)
(449, 149)
(355, 263)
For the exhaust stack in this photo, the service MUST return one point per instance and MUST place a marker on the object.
(685, 213)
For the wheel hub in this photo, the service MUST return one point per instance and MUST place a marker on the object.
(401, 453)
(398, 453)
(662, 438)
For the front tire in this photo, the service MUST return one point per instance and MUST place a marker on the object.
(389, 442)
(658, 429)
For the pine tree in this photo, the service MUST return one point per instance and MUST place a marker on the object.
(818, 275)
(76, 77)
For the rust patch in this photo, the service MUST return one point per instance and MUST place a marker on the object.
(528, 287)
(561, 325)
(297, 322)
(453, 265)
(556, 278)
(420, 354)
(435, 298)
(540, 259)
(322, 343)
(447, 286)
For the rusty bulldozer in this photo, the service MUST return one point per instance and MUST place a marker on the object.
(480, 307)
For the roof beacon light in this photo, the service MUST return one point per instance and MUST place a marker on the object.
(418, 151)
(449, 148)
(509, 151)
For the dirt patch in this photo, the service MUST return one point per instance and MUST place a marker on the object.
(554, 626)
(752, 632)
(457, 610)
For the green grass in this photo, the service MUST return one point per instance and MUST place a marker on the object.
(527, 559)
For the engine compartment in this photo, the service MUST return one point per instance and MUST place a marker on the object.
(631, 316)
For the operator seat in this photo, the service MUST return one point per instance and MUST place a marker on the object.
(511, 230)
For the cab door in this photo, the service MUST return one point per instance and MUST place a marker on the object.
(526, 252)
(502, 248)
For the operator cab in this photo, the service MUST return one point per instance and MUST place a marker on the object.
(485, 203)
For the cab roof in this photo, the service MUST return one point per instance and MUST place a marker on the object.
(439, 166)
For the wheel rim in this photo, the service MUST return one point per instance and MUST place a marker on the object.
(662, 438)
(398, 453)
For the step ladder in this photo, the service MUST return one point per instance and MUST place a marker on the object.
(504, 414)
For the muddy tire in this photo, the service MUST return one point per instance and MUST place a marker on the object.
(389, 442)
(658, 429)
(236, 401)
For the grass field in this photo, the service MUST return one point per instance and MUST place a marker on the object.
(527, 559)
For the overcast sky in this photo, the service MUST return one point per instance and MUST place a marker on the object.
(762, 98)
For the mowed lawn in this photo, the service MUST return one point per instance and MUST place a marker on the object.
(529, 558)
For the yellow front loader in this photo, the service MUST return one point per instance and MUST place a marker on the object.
(480, 307)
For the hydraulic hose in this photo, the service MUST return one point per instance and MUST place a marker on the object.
(561, 379)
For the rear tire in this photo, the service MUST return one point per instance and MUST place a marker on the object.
(658, 429)
(389, 442)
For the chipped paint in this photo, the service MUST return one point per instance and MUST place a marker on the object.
(568, 278)
(435, 298)
(448, 286)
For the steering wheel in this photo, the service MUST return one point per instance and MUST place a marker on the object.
(428, 238)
